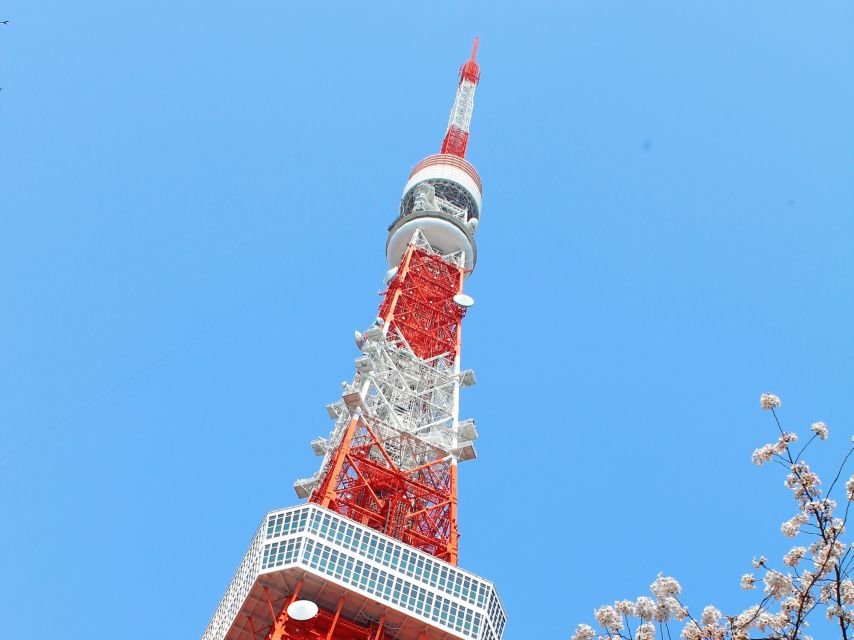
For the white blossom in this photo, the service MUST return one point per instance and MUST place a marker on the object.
(775, 621)
(806, 579)
(645, 632)
(835, 611)
(583, 632)
(625, 607)
(710, 617)
(791, 528)
(665, 586)
(747, 618)
(608, 618)
(769, 401)
(645, 608)
(798, 593)
(777, 585)
(692, 631)
(819, 507)
(836, 526)
(803, 482)
(824, 556)
(783, 442)
(819, 429)
(668, 607)
(794, 556)
(792, 603)
(763, 454)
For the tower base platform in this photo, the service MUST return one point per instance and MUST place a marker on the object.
(368, 586)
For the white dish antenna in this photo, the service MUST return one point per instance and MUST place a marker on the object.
(359, 339)
(391, 273)
(463, 300)
(302, 610)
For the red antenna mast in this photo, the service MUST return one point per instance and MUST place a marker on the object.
(457, 135)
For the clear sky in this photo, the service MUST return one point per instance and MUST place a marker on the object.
(193, 207)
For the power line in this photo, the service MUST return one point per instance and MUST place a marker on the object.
(164, 357)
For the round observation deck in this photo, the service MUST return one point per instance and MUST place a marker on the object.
(442, 198)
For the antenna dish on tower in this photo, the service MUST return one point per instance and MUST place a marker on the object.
(302, 610)
(463, 300)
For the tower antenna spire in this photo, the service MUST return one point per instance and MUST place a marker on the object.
(457, 136)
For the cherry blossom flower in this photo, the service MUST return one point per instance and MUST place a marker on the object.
(835, 611)
(669, 607)
(746, 620)
(820, 572)
(710, 617)
(783, 442)
(769, 401)
(826, 555)
(836, 526)
(645, 608)
(692, 631)
(793, 557)
(803, 482)
(763, 454)
(665, 586)
(625, 607)
(777, 585)
(608, 618)
(583, 632)
(791, 528)
(645, 632)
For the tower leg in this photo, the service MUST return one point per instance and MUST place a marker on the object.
(277, 631)
(335, 619)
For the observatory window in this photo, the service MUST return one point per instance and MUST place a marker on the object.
(481, 595)
(372, 581)
(271, 521)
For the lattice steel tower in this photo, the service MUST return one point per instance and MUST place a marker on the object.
(373, 554)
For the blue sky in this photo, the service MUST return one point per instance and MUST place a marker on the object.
(193, 205)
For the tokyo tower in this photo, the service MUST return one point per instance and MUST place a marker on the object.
(373, 553)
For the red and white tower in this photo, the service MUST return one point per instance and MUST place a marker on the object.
(373, 554)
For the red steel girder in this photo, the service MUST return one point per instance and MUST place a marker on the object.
(420, 304)
(326, 625)
(416, 506)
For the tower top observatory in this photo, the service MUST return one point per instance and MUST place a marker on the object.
(444, 194)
